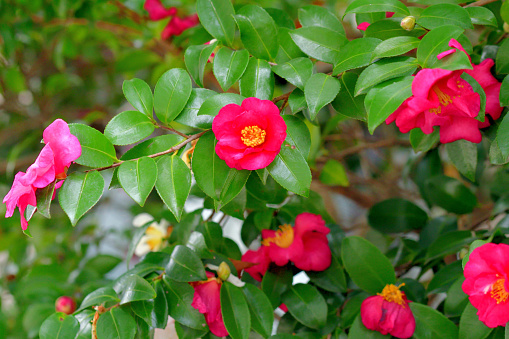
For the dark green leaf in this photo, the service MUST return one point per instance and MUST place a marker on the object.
(235, 310)
(396, 215)
(296, 71)
(258, 80)
(139, 95)
(357, 53)
(196, 59)
(477, 88)
(44, 196)
(128, 127)
(370, 6)
(197, 243)
(307, 305)
(504, 92)
(319, 91)
(470, 325)
(99, 296)
(171, 94)
(288, 50)
(448, 243)
(391, 28)
(395, 46)
(189, 115)
(431, 323)
(444, 14)
(450, 194)
(260, 310)
(160, 311)
(216, 16)
(281, 18)
(274, 284)
(229, 66)
(59, 326)
(503, 136)
(456, 299)
(318, 16)
(435, 42)
(116, 324)
(137, 178)
(359, 331)
(213, 105)
(333, 279)
(502, 59)
(185, 265)
(482, 16)
(143, 309)
(423, 142)
(180, 297)
(135, 288)
(96, 149)
(297, 134)
(346, 103)
(297, 101)
(445, 277)
(173, 183)
(184, 332)
(319, 43)
(333, 173)
(463, 155)
(384, 69)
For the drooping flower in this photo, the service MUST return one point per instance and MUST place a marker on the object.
(207, 301)
(157, 11)
(19, 196)
(249, 136)
(389, 313)
(155, 234)
(178, 25)
(487, 283)
(65, 146)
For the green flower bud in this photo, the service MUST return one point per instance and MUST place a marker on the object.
(506, 27)
(223, 272)
(408, 23)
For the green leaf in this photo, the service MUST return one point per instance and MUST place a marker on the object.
(319, 91)
(135, 239)
(423, 142)
(196, 58)
(502, 59)
(463, 155)
(135, 288)
(333, 279)
(44, 196)
(346, 103)
(128, 127)
(357, 53)
(152, 146)
(435, 42)
(456, 299)
(359, 331)
(180, 297)
(391, 28)
(258, 80)
(288, 50)
(297, 101)
(291, 170)
(445, 277)
(504, 92)
(116, 324)
(318, 16)
(396, 215)
(171, 94)
(235, 310)
(212, 175)
(395, 46)
(260, 309)
(281, 18)
(137, 178)
(444, 14)
(160, 311)
(96, 149)
(216, 16)
(79, 193)
(229, 66)
(333, 174)
(482, 16)
(143, 309)
(296, 71)
(213, 105)
(173, 183)
(184, 332)
(384, 69)
(185, 265)
(450, 194)
(139, 95)
(99, 297)
(319, 43)
(189, 115)
(197, 243)
(367, 266)
(59, 326)
(451, 242)
(370, 6)
(387, 100)
(307, 305)
(274, 284)
(470, 325)
(258, 32)
(431, 323)
(502, 136)
(297, 134)
(477, 88)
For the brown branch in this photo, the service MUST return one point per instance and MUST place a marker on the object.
(377, 144)
(174, 131)
(282, 97)
(173, 149)
(480, 3)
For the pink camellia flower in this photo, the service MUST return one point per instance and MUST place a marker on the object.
(207, 301)
(156, 10)
(65, 146)
(19, 196)
(389, 313)
(249, 136)
(178, 25)
(261, 258)
(487, 283)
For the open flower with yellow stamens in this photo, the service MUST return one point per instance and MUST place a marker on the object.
(388, 313)
(487, 283)
(155, 234)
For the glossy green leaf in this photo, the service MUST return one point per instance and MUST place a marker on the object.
(470, 325)
(296, 71)
(235, 310)
(229, 66)
(96, 149)
(44, 196)
(216, 16)
(258, 80)
(482, 16)
(171, 94)
(435, 42)
(370, 6)
(369, 268)
(135, 288)
(180, 297)
(59, 326)
(196, 58)
(116, 324)
(152, 146)
(307, 305)
(450, 194)
(444, 14)
(197, 243)
(281, 18)
(451, 242)
(213, 105)
(160, 311)
(396, 215)
(384, 69)
(477, 88)
(504, 92)
(346, 103)
(431, 323)
(139, 95)
(260, 310)
(99, 297)
(189, 115)
(288, 50)
(463, 155)
(297, 101)
(143, 309)
(258, 32)
(333, 173)
(291, 170)
(395, 46)
(185, 265)
(319, 91)
(274, 284)
(502, 137)
(184, 332)
(359, 331)
(357, 53)
(297, 134)
(502, 59)
(79, 193)
(319, 43)
(313, 15)
(391, 28)
(173, 183)
(332, 279)
(128, 127)
(423, 142)
(138, 178)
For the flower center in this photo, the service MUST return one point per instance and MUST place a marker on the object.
(498, 291)
(253, 136)
(391, 293)
(443, 98)
(284, 237)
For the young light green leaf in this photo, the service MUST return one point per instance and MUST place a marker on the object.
(319, 91)
(384, 69)
(258, 80)
(333, 173)
(319, 43)
(185, 265)
(313, 15)
(395, 46)
(229, 66)
(296, 71)
(216, 16)
(358, 53)
(138, 178)
(444, 14)
(196, 58)
(139, 94)
(171, 94)
(96, 149)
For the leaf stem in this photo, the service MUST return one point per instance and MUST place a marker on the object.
(173, 131)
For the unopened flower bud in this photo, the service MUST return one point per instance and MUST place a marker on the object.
(506, 27)
(462, 253)
(65, 305)
(223, 272)
(408, 23)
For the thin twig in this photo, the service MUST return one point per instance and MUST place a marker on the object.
(282, 97)
(173, 149)
(174, 131)
(377, 144)
(480, 3)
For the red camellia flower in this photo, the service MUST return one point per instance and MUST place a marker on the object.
(249, 136)
(388, 313)
(178, 25)
(156, 10)
(306, 245)
(207, 301)
(487, 283)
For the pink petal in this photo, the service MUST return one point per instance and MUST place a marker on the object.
(308, 222)
(363, 26)
(446, 53)
(371, 313)
(42, 172)
(65, 146)
(460, 128)
(157, 11)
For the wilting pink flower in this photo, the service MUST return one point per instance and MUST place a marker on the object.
(178, 25)
(19, 196)
(389, 313)
(65, 146)
(261, 258)
(207, 301)
(156, 10)
(487, 283)
(249, 136)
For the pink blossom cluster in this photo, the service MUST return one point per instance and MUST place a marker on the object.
(176, 25)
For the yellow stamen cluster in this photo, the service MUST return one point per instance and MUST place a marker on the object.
(498, 291)
(391, 293)
(284, 237)
(253, 136)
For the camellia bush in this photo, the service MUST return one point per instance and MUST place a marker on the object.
(271, 113)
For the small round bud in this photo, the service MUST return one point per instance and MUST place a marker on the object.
(462, 253)
(506, 27)
(223, 272)
(65, 305)
(408, 23)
